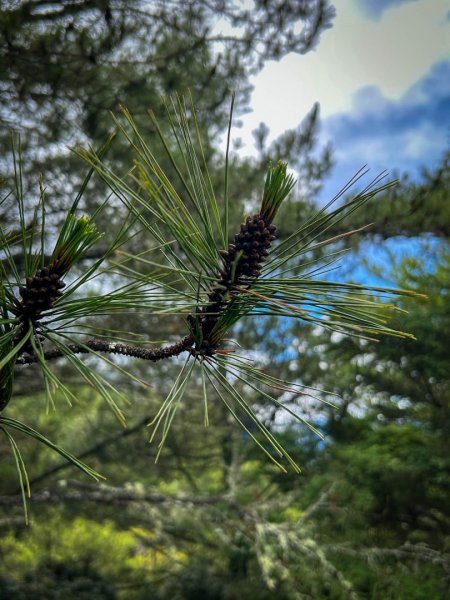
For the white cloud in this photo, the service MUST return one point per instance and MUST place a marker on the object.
(400, 135)
(391, 54)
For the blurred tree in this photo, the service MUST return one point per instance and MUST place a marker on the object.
(386, 457)
(64, 65)
(412, 208)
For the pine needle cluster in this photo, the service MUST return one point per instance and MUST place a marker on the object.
(195, 269)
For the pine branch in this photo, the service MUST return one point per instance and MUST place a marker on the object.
(242, 264)
(151, 354)
(212, 288)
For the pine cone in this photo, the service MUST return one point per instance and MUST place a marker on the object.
(39, 294)
(242, 265)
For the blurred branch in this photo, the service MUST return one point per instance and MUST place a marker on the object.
(93, 450)
(402, 553)
(320, 502)
(112, 495)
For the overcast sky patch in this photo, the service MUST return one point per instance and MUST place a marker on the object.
(373, 9)
(398, 135)
(391, 54)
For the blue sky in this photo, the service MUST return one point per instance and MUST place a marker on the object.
(382, 77)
